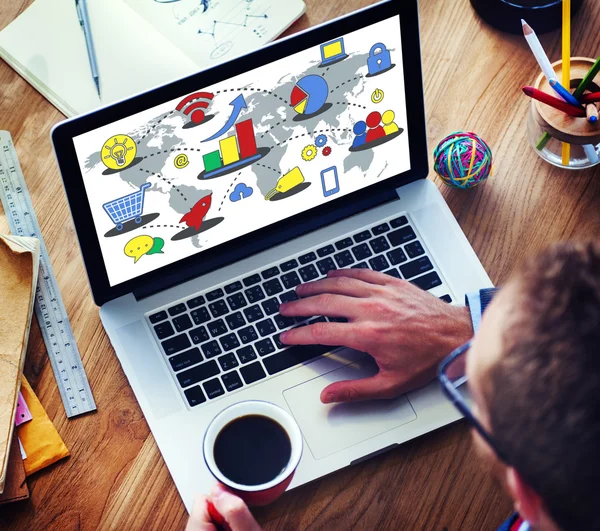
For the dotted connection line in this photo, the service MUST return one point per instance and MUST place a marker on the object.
(272, 127)
(249, 89)
(344, 83)
(156, 125)
(337, 103)
(343, 129)
(350, 104)
(172, 150)
(268, 168)
(165, 180)
(228, 190)
(164, 227)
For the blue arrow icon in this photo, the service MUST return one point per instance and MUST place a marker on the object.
(238, 104)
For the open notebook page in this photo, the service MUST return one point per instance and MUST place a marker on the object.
(46, 46)
(213, 31)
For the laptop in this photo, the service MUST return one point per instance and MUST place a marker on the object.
(333, 52)
(201, 205)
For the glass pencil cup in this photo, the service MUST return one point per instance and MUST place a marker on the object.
(549, 128)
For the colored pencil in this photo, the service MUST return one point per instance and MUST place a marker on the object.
(592, 113)
(546, 98)
(589, 77)
(592, 97)
(591, 154)
(538, 51)
(564, 93)
(566, 66)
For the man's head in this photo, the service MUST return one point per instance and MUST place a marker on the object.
(534, 373)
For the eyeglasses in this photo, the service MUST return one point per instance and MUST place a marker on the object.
(452, 375)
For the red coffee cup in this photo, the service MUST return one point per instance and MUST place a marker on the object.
(269, 491)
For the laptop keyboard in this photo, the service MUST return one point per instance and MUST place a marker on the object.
(227, 338)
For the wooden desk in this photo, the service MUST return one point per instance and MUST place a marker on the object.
(116, 478)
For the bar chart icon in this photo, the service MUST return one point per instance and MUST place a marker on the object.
(234, 152)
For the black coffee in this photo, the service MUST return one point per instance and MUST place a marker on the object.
(252, 450)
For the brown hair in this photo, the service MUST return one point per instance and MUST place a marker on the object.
(544, 403)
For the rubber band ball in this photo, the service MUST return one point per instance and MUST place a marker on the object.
(463, 160)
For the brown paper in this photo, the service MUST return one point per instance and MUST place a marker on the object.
(15, 488)
(19, 258)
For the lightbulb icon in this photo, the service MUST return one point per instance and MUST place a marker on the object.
(118, 152)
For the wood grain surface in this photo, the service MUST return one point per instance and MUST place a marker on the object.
(116, 479)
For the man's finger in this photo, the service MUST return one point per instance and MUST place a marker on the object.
(234, 510)
(199, 518)
(324, 304)
(329, 334)
(366, 275)
(377, 386)
(341, 285)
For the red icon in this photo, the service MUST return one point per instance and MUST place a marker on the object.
(326, 151)
(194, 107)
(375, 128)
(196, 215)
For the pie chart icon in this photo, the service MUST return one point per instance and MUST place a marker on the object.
(309, 95)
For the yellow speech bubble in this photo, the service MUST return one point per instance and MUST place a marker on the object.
(138, 247)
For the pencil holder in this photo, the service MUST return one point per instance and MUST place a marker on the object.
(548, 128)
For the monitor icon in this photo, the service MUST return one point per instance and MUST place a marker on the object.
(333, 52)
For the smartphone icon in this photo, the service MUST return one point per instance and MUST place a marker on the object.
(330, 182)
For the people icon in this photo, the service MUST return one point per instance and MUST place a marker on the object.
(376, 130)
(360, 130)
(389, 126)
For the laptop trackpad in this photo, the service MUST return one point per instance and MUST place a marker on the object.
(330, 428)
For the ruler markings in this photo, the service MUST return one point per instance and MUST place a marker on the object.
(49, 309)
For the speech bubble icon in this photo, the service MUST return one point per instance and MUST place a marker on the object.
(138, 247)
(157, 248)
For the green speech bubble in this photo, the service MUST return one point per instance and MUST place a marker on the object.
(157, 248)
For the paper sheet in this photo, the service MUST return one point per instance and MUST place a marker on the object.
(19, 259)
(46, 45)
(23, 414)
(212, 31)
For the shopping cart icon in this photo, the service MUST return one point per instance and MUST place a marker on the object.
(127, 207)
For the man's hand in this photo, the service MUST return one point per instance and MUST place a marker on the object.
(234, 511)
(408, 331)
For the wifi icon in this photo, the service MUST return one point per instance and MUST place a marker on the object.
(194, 107)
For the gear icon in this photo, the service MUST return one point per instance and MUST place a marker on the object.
(321, 140)
(309, 152)
(327, 151)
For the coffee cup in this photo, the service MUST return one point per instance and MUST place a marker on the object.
(253, 448)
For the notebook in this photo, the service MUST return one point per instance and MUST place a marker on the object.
(139, 43)
(19, 262)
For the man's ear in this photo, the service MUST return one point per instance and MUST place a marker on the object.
(527, 502)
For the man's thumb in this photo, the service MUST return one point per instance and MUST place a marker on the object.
(354, 390)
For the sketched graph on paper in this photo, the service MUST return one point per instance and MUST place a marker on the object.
(208, 30)
(227, 24)
(244, 24)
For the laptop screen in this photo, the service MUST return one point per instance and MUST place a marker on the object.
(228, 159)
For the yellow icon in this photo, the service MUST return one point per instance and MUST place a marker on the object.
(309, 152)
(181, 161)
(377, 96)
(138, 247)
(118, 152)
(290, 180)
(389, 126)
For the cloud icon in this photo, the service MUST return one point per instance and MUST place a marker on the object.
(241, 191)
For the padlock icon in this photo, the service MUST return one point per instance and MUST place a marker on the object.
(380, 59)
